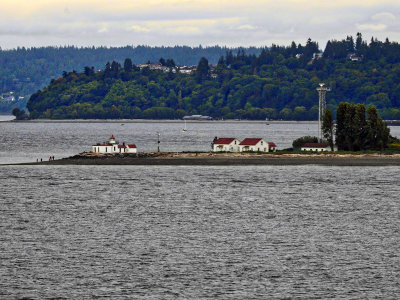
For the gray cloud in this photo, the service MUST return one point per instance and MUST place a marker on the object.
(258, 23)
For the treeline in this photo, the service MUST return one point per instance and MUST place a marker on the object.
(277, 83)
(25, 70)
(357, 128)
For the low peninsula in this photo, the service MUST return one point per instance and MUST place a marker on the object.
(227, 159)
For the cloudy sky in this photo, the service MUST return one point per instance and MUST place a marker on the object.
(192, 22)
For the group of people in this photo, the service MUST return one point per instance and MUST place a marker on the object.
(50, 158)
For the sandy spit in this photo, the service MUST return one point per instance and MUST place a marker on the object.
(228, 159)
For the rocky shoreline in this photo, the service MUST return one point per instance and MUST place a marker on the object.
(227, 159)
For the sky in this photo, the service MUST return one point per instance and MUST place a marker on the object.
(28, 23)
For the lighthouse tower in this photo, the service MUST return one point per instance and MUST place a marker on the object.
(112, 140)
(322, 89)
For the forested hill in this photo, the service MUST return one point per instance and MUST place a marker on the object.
(279, 83)
(24, 71)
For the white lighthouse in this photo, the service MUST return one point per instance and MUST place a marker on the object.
(112, 147)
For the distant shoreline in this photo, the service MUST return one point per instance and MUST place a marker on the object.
(210, 159)
(122, 121)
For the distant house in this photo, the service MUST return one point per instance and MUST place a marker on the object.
(354, 57)
(187, 69)
(9, 99)
(226, 145)
(256, 145)
(316, 147)
(113, 147)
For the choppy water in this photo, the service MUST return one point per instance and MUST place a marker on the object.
(26, 142)
(131, 232)
(168, 232)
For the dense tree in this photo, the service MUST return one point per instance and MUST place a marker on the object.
(203, 70)
(298, 143)
(128, 66)
(276, 82)
(328, 127)
(19, 114)
(355, 132)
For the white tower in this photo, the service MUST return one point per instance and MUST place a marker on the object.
(322, 107)
(112, 140)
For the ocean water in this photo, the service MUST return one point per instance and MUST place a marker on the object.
(136, 232)
(178, 232)
(27, 142)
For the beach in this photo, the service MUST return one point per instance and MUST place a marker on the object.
(227, 159)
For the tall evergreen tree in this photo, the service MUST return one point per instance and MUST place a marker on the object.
(128, 66)
(203, 70)
(360, 127)
(328, 127)
(341, 126)
(372, 127)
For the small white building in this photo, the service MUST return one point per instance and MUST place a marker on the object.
(316, 147)
(272, 147)
(226, 145)
(112, 147)
(256, 145)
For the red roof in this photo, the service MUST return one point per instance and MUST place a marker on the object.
(272, 145)
(131, 146)
(224, 141)
(121, 146)
(112, 137)
(250, 141)
(315, 145)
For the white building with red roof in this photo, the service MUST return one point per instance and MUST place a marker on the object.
(226, 145)
(256, 145)
(317, 147)
(113, 147)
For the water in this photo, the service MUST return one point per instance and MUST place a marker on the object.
(136, 232)
(26, 142)
(170, 232)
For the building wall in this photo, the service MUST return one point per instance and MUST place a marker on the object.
(261, 146)
(232, 147)
(112, 149)
(102, 149)
(131, 150)
(316, 149)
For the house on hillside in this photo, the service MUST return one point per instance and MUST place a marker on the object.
(354, 57)
(226, 145)
(256, 145)
(316, 147)
(113, 147)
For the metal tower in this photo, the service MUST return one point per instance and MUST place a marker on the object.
(322, 106)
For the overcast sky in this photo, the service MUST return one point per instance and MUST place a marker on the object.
(189, 22)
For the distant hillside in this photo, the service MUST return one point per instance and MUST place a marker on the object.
(279, 83)
(24, 71)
